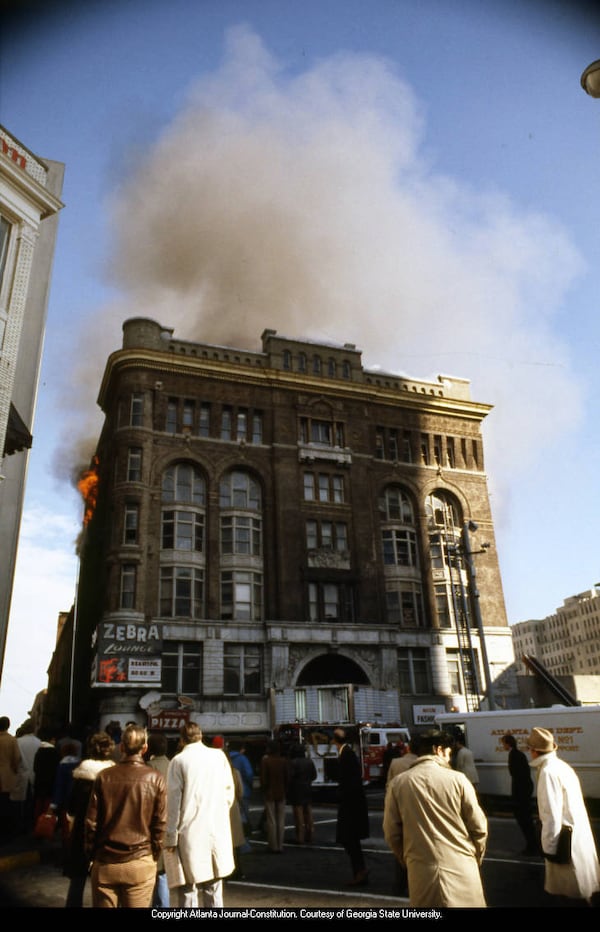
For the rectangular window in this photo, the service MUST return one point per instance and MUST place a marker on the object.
(5, 228)
(324, 488)
(241, 425)
(320, 432)
(189, 410)
(182, 668)
(379, 444)
(399, 547)
(442, 607)
(127, 586)
(171, 421)
(437, 450)
(130, 523)
(311, 535)
(450, 452)
(327, 535)
(309, 487)
(330, 602)
(425, 449)
(463, 451)
(393, 445)
(337, 489)
(460, 669)
(407, 456)
(257, 428)
(226, 424)
(405, 606)
(182, 530)
(136, 414)
(392, 601)
(242, 670)
(204, 422)
(134, 464)
(300, 705)
(181, 592)
(333, 704)
(414, 674)
(240, 534)
(241, 596)
(341, 536)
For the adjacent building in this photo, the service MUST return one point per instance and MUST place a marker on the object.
(283, 535)
(567, 643)
(30, 188)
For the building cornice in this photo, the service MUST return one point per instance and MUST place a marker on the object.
(426, 397)
(27, 187)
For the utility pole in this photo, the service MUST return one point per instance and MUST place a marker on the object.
(472, 578)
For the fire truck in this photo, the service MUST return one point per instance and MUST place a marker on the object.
(368, 741)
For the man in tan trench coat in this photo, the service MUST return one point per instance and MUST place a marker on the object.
(435, 826)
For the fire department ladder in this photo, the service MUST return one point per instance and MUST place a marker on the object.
(544, 675)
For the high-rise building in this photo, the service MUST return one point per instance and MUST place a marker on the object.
(283, 535)
(567, 643)
(30, 188)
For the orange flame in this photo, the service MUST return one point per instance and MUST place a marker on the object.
(88, 486)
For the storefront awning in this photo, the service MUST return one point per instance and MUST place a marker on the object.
(17, 433)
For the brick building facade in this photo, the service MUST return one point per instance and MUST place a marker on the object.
(283, 535)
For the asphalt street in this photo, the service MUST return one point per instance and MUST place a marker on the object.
(314, 876)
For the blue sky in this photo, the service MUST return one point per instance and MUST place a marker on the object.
(419, 178)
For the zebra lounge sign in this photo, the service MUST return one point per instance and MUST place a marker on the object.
(129, 653)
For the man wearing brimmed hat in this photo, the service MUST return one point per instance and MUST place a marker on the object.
(560, 803)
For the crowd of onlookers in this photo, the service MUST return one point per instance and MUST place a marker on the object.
(152, 828)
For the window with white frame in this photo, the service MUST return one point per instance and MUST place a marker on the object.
(323, 487)
(136, 411)
(326, 535)
(134, 464)
(330, 601)
(242, 670)
(183, 483)
(181, 668)
(181, 591)
(241, 534)
(131, 518)
(241, 595)
(127, 585)
(414, 671)
(404, 604)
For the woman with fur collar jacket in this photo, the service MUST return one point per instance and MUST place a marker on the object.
(77, 864)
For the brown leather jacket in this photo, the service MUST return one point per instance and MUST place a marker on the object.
(127, 812)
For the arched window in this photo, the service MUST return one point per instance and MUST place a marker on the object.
(183, 482)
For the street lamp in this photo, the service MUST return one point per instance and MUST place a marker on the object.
(590, 79)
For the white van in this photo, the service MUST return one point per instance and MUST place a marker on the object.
(576, 731)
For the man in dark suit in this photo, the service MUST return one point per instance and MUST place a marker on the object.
(353, 814)
(522, 792)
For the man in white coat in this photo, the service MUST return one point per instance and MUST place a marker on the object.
(200, 793)
(560, 802)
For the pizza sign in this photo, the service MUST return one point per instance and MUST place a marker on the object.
(168, 719)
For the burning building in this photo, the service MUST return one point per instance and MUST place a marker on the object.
(284, 535)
